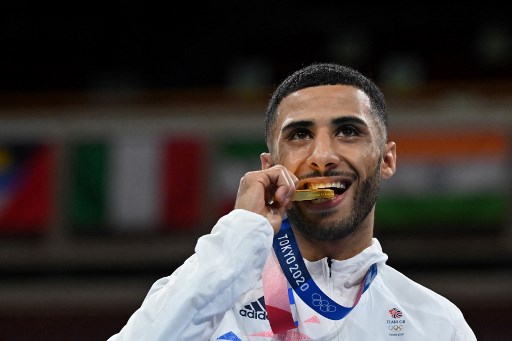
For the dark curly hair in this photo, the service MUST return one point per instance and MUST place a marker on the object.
(327, 74)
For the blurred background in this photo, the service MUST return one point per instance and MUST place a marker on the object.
(124, 131)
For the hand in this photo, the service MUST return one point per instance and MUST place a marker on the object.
(258, 188)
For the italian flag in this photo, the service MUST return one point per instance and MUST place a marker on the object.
(136, 184)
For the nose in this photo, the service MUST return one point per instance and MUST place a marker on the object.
(323, 155)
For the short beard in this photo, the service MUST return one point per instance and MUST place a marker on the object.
(364, 201)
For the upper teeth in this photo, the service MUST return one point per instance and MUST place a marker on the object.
(327, 185)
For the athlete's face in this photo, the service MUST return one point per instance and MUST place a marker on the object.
(327, 136)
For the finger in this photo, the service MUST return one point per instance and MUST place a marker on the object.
(259, 187)
(283, 184)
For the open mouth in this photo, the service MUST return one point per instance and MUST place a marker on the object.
(339, 187)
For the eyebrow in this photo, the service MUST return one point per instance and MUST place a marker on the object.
(297, 124)
(349, 119)
(335, 122)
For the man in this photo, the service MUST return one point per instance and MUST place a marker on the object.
(278, 269)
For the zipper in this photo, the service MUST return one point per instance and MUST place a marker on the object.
(329, 262)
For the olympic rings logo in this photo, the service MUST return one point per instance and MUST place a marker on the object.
(322, 304)
(396, 328)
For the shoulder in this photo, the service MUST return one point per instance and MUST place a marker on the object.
(414, 295)
(406, 307)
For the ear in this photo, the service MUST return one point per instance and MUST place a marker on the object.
(266, 161)
(388, 165)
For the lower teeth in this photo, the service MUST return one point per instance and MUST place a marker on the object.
(317, 201)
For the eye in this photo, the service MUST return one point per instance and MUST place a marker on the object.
(348, 131)
(300, 134)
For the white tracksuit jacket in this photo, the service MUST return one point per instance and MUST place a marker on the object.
(217, 295)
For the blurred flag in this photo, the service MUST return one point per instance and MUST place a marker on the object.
(89, 173)
(27, 174)
(234, 157)
(184, 182)
(136, 184)
(447, 180)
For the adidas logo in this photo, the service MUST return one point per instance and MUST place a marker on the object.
(255, 310)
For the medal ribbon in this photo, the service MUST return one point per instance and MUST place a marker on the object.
(278, 297)
(295, 271)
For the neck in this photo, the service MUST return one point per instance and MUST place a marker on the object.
(339, 249)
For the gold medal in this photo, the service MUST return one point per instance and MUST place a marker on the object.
(312, 194)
